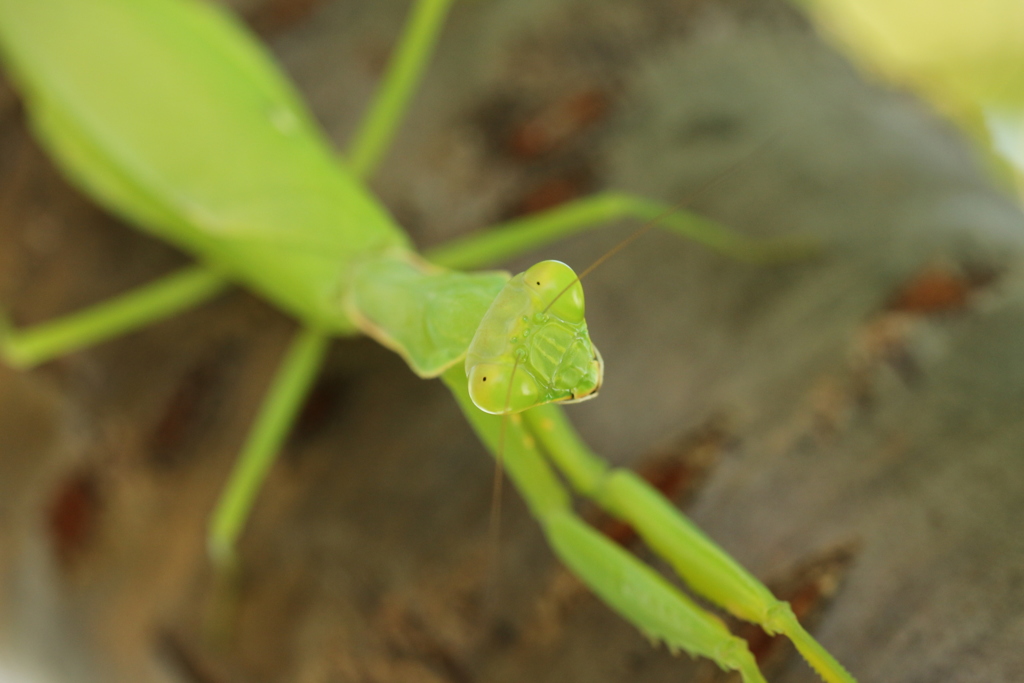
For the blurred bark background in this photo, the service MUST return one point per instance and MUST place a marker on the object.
(847, 426)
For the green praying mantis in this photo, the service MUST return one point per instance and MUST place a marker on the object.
(168, 113)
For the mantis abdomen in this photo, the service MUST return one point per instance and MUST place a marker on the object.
(169, 115)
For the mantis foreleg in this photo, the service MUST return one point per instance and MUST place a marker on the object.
(630, 587)
(708, 570)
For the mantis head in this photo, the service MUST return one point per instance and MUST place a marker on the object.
(532, 346)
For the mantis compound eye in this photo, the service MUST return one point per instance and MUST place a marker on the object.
(558, 288)
(489, 388)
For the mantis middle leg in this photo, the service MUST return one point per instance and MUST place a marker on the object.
(515, 237)
(278, 411)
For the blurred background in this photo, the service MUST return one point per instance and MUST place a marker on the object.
(847, 426)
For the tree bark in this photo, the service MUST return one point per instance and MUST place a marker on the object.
(845, 424)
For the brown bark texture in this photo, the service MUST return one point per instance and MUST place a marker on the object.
(847, 425)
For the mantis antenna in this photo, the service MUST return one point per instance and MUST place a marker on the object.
(494, 523)
(537, 320)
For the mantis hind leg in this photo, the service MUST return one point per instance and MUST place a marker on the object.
(404, 71)
(521, 235)
(628, 586)
(707, 569)
(120, 315)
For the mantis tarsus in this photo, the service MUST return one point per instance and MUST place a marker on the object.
(237, 173)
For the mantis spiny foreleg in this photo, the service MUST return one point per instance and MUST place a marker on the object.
(630, 587)
(708, 570)
(700, 562)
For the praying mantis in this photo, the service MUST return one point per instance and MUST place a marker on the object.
(237, 173)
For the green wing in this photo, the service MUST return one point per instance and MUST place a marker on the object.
(171, 114)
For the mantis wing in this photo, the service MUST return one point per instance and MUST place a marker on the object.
(174, 118)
